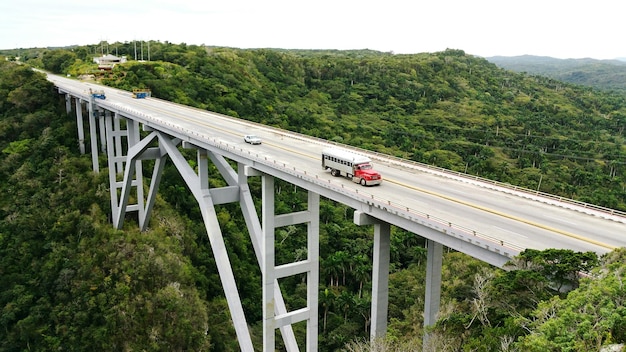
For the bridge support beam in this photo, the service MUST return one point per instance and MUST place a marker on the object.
(103, 142)
(239, 180)
(68, 103)
(274, 312)
(254, 228)
(380, 273)
(268, 264)
(80, 126)
(198, 184)
(434, 264)
(93, 135)
(138, 150)
(237, 190)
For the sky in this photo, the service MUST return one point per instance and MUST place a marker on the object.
(555, 28)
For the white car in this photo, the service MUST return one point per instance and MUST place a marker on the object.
(252, 139)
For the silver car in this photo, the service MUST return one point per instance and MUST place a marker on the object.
(252, 139)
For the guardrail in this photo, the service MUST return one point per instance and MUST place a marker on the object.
(427, 167)
(621, 215)
(477, 238)
(539, 196)
(443, 225)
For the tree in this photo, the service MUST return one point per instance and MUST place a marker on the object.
(57, 61)
(327, 302)
(592, 316)
(562, 267)
(346, 303)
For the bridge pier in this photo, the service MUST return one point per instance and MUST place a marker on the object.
(68, 103)
(101, 118)
(79, 125)
(380, 273)
(133, 172)
(93, 111)
(279, 318)
(434, 262)
(380, 277)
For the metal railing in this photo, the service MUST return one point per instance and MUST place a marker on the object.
(461, 232)
(618, 214)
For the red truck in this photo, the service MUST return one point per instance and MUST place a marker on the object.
(353, 166)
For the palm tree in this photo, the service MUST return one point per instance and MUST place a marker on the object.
(326, 301)
(331, 269)
(346, 303)
(361, 271)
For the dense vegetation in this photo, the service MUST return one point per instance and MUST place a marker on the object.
(69, 281)
(448, 109)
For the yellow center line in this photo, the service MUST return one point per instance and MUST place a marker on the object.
(439, 195)
(505, 215)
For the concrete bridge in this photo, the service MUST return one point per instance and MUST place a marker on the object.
(484, 219)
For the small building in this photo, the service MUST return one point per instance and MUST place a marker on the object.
(107, 62)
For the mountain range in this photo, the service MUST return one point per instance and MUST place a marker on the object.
(600, 74)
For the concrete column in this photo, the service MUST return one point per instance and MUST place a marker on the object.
(93, 136)
(103, 141)
(313, 275)
(112, 172)
(380, 280)
(79, 125)
(380, 272)
(68, 103)
(433, 284)
(267, 269)
(203, 168)
(119, 151)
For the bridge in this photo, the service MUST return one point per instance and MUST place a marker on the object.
(487, 220)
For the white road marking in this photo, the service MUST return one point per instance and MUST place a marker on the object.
(564, 221)
(509, 231)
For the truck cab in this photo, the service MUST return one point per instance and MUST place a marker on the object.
(366, 175)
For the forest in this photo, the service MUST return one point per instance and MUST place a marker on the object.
(69, 281)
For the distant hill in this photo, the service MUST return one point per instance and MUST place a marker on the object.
(601, 74)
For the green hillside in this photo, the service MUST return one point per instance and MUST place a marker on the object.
(447, 109)
(600, 74)
(69, 281)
